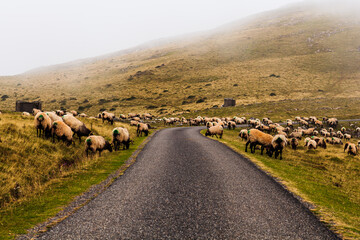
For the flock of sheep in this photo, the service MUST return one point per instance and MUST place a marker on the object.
(273, 137)
(65, 125)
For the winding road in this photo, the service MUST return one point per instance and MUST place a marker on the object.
(186, 186)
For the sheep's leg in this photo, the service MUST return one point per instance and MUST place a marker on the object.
(220, 136)
(280, 153)
(246, 145)
(262, 150)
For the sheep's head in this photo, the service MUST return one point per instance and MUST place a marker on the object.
(207, 133)
(108, 146)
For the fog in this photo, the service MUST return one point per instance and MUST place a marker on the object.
(40, 33)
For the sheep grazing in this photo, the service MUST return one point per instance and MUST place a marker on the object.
(308, 132)
(334, 141)
(134, 123)
(257, 137)
(343, 129)
(76, 126)
(215, 130)
(62, 131)
(319, 123)
(294, 142)
(347, 136)
(332, 122)
(209, 124)
(120, 136)
(351, 148)
(25, 114)
(122, 116)
(83, 115)
(136, 119)
(243, 134)
(231, 125)
(320, 142)
(42, 124)
(53, 116)
(35, 111)
(96, 143)
(311, 144)
(60, 113)
(278, 143)
(297, 135)
(142, 128)
(74, 113)
(108, 117)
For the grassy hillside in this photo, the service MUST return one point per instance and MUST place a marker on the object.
(295, 54)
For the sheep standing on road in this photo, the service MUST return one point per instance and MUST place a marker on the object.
(96, 143)
(120, 136)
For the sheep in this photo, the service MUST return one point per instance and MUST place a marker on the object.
(320, 142)
(343, 129)
(134, 123)
(209, 124)
(120, 136)
(243, 134)
(350, 148)
(108, 117)
(74, 113)
(315, 133)
(60, 113)
(319, 123)
(294, 143)
(215, 130)
(142, 128)
(297, 135)
(257, 137)
(53, 116)
(334, 140)
(332, 122)
(347, 136)
(278, 143)
(96, 143)
(42, 123)
(231, 124)
(311, 144)
(83, 115)
(122, 116)
(62, 131)
(308, 132)
(78, 127)
(136, 119)
(25, 114)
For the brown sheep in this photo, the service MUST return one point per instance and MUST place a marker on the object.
(257, 137)
(62, 131)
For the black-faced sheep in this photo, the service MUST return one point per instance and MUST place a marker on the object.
(42, 124)
(74, 113)
(351, 148)
(142, 128)
(108, 117)
(231, 125)
(25, 114)
(311, 144)
(96, 143)
(215, 130)
(243, 134)
(256, 137)
(60, 113)
(62, 131)
(120, 136)
(78, 127)
(134, 123)
(347, 136)
(278, 143)
(294, 142)
(297, 135)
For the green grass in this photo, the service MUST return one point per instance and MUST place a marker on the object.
(327, 178)
(22, 216)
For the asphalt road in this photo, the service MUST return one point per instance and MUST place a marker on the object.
(185, 186)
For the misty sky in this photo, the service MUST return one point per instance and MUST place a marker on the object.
(37, 33)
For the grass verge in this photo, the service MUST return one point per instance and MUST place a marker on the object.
(23, 215)
(326, 178)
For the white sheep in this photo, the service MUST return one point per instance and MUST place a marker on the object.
(215, 130)
(108, 117)
(96, 143)
(42, 124)
(351, 148)
(78, 127)
(278, 143)
(142, 128)
(62, 131)
(120, 136)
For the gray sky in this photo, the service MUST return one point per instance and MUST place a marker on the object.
(37, 33)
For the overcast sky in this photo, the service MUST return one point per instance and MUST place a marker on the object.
(36, 33)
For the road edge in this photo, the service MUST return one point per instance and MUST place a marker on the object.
(83, 199)
(306, 204)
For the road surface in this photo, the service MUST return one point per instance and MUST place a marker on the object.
(186, 186)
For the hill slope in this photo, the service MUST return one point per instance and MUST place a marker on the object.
(293, 53)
